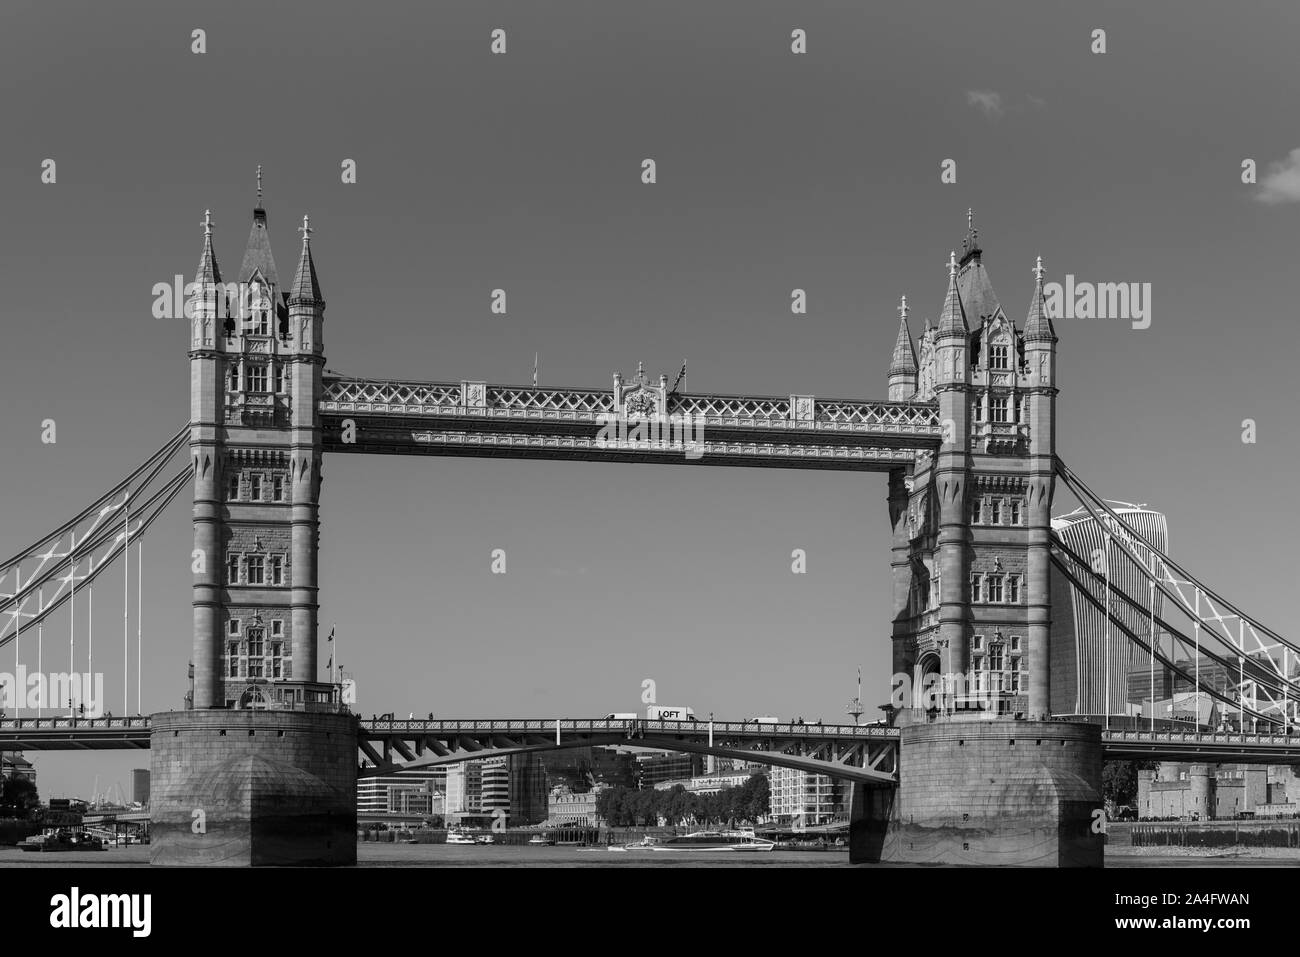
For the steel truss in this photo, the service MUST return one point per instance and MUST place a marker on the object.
(1265, 681)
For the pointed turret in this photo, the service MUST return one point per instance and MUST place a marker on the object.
(952, 319)
(306, 306)
(1038, 325)
(257, 254)
(903, 367)
(305, 285)
(208, 272)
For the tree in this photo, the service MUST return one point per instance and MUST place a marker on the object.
(18, 798)
(1119, 781)
(758, 798)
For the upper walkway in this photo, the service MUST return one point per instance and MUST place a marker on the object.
(475, 418)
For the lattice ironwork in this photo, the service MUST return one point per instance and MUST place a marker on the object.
(374, 395)
(731, 407)
(527, 400)
(909, 414)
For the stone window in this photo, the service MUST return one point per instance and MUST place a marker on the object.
(232, 570)
(998, 409)
(256, 570)
(255, 486)
(232, 655)
(277, 659)
(975, 590)
(277, 570)
(995, 588)
(1013, 589)
(234, 377)
(232, 486)
(1015, 674)
(277, 627)
(1015, 511)
(256, 652)
(995, 511)
(277, 375)
(277, 488)
(999, 357)
(976, 511)
(233, 628)
(256, 376)
(977, 643)
(1015, 644)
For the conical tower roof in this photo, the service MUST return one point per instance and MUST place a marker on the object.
(1038, 324)
(305, 284)
(208, 272)
(904, 361)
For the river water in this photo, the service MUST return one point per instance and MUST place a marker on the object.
(452, 855)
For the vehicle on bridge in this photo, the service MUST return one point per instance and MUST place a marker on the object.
(622, 716)
(665, 713)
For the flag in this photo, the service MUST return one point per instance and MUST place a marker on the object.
(329, 664)
(534, 370)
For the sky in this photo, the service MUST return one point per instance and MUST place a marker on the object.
(775, 171)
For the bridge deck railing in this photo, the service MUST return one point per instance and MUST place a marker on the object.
(1201, 737)
(624, 726)
(80, 724)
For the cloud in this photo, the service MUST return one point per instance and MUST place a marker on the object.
(986, 101)
(1281, 184)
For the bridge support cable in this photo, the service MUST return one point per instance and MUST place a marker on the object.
(156, 461)
(1261, 653)
(1274, 684)
(99, 550)
(48, 553)
(1277, 683)
(1113, 520)
(1148, 648)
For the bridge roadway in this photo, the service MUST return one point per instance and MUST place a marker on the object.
(865, 753)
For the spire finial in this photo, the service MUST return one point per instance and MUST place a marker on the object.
(970, 217)
(952, 264)
(259, 184)
(902, 307)
(640, 371)
(207, 222)
(305, 229)
(1038, 271)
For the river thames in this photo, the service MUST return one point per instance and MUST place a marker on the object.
(443, 855)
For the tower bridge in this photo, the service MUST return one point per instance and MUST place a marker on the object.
(967, 437)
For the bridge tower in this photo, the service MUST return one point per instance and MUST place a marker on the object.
(971, 521)
(263, 749)
(984, 776)
(254, 389)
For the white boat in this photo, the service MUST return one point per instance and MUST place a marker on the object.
(485, 839)
(645, 844)
(458, 836)
(541, 840)
(743, 840)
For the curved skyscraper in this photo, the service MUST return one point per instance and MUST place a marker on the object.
(1080, 663)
